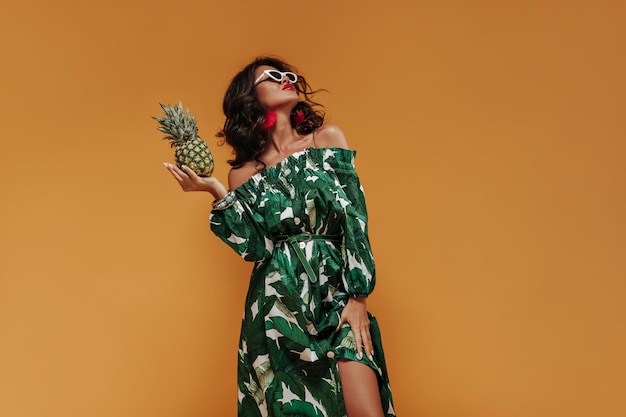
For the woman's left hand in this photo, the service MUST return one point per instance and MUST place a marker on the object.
(355, 314)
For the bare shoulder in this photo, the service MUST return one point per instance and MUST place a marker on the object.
(330, 136)
(238, 176)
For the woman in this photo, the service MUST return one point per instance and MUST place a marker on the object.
(296, 209)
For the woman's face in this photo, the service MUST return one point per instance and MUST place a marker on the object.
(274, 94)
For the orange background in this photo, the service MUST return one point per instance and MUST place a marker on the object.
(491, 139)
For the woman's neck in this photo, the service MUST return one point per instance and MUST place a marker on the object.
(282, 136)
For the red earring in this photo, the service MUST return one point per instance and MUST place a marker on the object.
(270, 120)
(299, 118)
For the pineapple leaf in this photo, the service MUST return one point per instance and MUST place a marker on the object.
(178, 124)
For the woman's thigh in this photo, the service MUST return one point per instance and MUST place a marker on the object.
(360, 389)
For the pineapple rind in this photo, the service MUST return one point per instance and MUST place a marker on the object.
(196, 155)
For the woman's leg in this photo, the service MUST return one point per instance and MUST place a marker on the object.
(360, 389)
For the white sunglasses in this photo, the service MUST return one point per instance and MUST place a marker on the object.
(277, 76)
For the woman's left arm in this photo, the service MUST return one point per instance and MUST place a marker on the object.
(359, 271)
(359, 274)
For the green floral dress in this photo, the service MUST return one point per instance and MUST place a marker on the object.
(303, 223)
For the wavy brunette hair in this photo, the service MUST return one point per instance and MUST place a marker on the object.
(245, 115)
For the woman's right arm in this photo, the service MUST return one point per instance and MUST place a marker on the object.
(190, 181)
(238, 226)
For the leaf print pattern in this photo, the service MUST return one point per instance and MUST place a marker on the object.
(303, 223)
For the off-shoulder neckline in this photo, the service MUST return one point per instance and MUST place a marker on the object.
(280, 164)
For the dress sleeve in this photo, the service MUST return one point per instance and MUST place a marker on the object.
(359, 269)
(243, 230)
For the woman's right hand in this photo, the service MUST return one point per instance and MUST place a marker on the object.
(190, 181)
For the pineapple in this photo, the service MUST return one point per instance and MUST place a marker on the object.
(180, 128)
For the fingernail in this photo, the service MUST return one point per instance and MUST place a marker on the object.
(371, 358)
(359, 355)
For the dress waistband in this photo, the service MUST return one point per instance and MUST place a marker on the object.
(305, 237)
